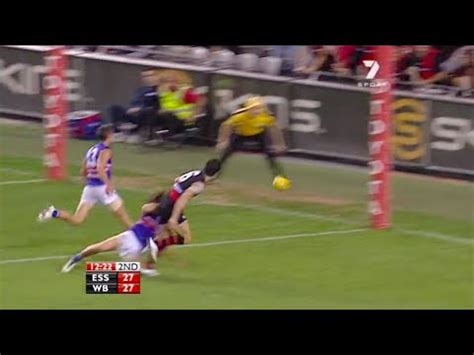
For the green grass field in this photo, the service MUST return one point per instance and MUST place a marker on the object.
(253, 247)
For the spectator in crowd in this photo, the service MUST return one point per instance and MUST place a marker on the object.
(463, 71)
(342, 64)
(292, 57)
(357, 58)
(415, 66)
(319, 59)
(180, 105)
(233, 49)
(142, 110)
(455, 59)
(422, 67)
(400, 57)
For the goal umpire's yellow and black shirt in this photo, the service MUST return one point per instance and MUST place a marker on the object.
(246, 124)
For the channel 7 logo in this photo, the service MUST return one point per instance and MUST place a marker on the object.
(370, 81)
(374, 68)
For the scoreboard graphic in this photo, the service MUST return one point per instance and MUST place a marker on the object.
(112, 277)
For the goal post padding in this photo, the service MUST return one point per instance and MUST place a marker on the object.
(55, 117)
(379, 139)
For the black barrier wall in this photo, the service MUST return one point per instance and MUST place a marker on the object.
(322, 119)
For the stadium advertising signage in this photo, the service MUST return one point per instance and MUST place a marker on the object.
(410, 130)
(451, 143)
(21, 82)
(343, 122)
(318, 118)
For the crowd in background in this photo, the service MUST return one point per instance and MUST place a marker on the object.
(419, 65)
(437, 69)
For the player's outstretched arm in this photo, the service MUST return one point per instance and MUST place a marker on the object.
(182, 201)
(149, 207)
(83, 170)
(179, 208)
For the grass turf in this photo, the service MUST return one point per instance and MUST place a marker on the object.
(425, 261)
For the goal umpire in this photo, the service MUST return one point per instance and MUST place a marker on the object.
(256, 124)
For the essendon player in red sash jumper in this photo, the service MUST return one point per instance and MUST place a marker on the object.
(97, 172)
(172, 204)
(162, 209)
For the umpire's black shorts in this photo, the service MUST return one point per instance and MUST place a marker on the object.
(261, 139)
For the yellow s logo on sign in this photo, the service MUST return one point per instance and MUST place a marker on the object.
(408, 136)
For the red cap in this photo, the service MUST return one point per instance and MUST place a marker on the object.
(190, 97)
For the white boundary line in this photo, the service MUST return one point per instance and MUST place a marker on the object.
(281, 211)
(439, 236)
(425, 234)
(14, 182)
(40, 258)
(281, 237)
(19, 172)
(198, 245)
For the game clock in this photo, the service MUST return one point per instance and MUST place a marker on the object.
(112, 277)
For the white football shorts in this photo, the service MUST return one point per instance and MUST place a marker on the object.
(129, 247)
(93, 194)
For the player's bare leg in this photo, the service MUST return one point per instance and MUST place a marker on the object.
(167, 237)
(79, 215)
(270, 151)
(274, 165)
(121, 213)
(101, 247)
(162, 240)
(77, 218)
(185, 231)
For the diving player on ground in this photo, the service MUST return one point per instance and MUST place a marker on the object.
(97, 171)
(161, 209)
(256, 124)
(130, 244)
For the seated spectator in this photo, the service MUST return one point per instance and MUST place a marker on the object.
(291, 56)
(463, 75)
(455, 58)
(422, 67)
(320, 59)
(180, 106)
(400, 57)
(356, 61)
(342, 64)
(142, 110)
(233, 49)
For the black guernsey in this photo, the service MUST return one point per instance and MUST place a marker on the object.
(181, 184)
